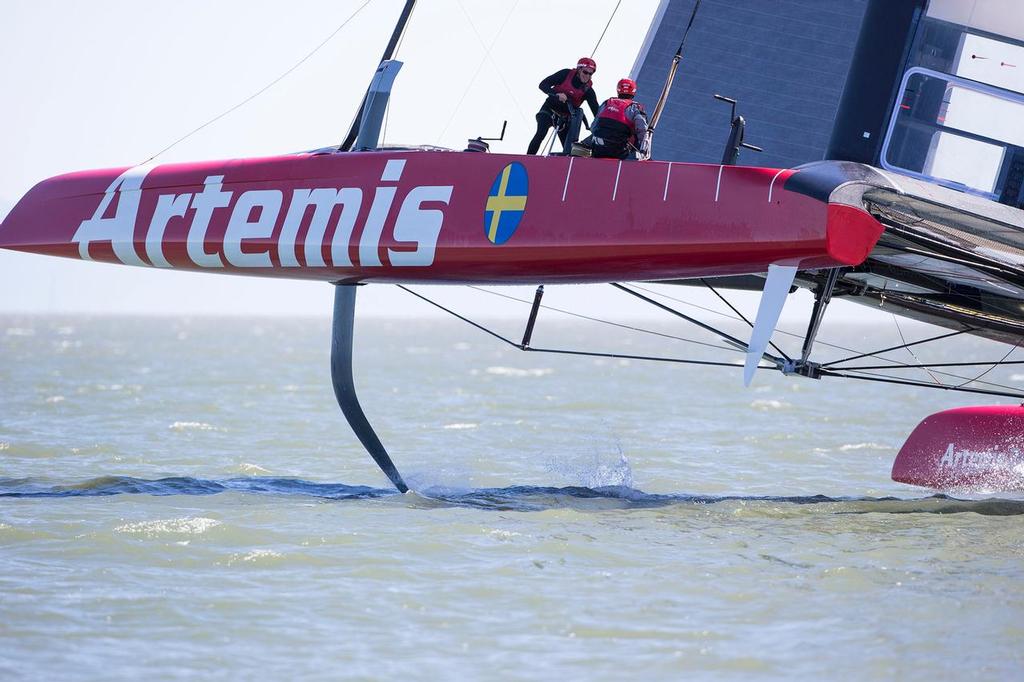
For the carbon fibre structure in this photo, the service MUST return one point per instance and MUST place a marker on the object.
(946, 257)
(952, 253)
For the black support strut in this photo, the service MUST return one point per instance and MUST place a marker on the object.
(344, 387)
(528, 334)
(822, 297)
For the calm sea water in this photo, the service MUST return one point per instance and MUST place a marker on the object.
(181, 498)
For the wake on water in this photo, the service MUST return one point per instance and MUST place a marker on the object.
(512, 498)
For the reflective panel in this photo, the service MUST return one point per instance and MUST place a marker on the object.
(1002, 17)
(955, 131)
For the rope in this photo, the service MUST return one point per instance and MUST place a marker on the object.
(689, 25)
(594, 51)
(266, 87)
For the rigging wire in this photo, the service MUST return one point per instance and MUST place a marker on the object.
(912, 354)
(878, 353)
(608, 322)
(689, 25)
(594, 51)
(994, 365)
(549, 140)
(829, 365)
(480, 66)
(267, 86)
(387, 107)
(737, 319)
(670, 78)
(722, 335)
(1002, 362)
(560, 351)
(863, 376)
(867, 376)
(487, 55)
(742, 316)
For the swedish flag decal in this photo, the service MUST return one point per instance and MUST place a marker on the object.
(506, 203)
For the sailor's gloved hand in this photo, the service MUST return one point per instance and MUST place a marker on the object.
(645, 150)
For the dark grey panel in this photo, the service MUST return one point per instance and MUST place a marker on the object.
(784, 60)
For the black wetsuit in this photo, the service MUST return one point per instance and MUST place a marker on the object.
(553, 107)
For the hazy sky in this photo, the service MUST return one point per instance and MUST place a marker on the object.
(111, 82)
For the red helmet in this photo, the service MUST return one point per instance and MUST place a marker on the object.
(626, 86)
(586, 63)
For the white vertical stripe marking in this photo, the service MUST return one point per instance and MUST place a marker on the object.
(668, 174)
(772, 186)
(567, 174)
(615, 190)
(718, 185)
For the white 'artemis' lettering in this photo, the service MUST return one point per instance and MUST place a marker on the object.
(369, 241)
(167, 206)
(120, 229)
(239, 227)
(324, 199)
(204, 203)
(418, 225)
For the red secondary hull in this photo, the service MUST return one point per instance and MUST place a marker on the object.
(429, 216)
(980, 449)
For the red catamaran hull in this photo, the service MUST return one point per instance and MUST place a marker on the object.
(978, 449)
(429, 217)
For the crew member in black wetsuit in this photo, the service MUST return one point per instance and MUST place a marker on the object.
(568, 85)
(620, 127)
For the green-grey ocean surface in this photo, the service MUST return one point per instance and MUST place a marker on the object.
(181, 498)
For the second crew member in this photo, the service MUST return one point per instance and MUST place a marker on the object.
(620, 127)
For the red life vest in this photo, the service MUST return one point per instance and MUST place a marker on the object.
(576, 95)
(613, 123)
(615, 109)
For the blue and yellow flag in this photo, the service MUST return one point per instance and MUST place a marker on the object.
(506, 203)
